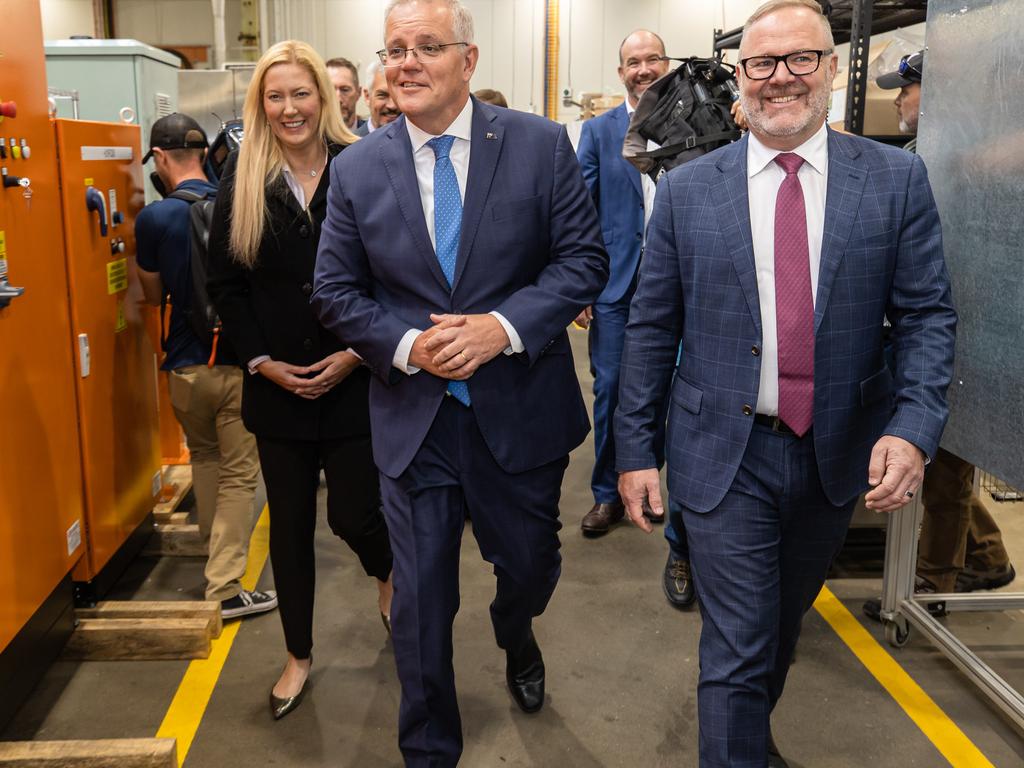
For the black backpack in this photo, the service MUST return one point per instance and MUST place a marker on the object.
(201, 315)
(687, 112)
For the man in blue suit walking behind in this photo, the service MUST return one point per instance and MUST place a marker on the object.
(459, 243)
(624, 200)
(774, 261)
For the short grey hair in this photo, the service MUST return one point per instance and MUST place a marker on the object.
(371, 71)
(462, 19)
(777, 5)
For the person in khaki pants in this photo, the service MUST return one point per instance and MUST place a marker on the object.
(205, 384)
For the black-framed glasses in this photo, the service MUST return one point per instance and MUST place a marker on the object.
(395, 57)
(799, 63)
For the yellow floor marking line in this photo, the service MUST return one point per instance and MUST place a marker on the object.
(189, 704)
(933, 722)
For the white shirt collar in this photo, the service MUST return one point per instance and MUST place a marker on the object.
(814, 151)
(630, 109)
(461, 128)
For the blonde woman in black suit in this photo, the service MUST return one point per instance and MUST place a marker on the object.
(305, 392)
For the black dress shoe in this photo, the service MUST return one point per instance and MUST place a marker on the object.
(775, 760)
(601, 518)
(678, 582)
(524, 673)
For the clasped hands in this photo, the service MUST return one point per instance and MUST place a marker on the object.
(329, 371)
(457, 345)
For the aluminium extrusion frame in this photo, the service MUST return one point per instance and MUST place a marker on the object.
(901, 609)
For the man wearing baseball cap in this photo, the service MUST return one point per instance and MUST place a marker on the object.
(205, 382)
(907, 77)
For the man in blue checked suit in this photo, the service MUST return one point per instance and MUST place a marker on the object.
(459, 243)
(774, 261)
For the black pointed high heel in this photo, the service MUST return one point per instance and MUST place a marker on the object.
(279, 707)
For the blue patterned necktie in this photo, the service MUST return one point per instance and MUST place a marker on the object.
(447, 227)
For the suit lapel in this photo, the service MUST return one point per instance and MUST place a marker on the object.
(485, 148)
(396, 156)
(621, 117)
(846, 178)
(733, 212)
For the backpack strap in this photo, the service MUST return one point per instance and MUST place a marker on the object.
(188, 195)
(693, 141)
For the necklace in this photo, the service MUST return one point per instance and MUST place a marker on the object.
(313, 173)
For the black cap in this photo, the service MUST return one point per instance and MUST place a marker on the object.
(910, 70)
(176, 131)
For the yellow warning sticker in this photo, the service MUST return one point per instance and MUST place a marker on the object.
(121, 323)
(3, 244)
(117, 275)
(88, 181)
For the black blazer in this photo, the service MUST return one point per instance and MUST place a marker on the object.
(265, 311)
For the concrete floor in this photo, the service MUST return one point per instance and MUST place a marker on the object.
(622, 671)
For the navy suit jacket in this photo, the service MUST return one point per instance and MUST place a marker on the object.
(881, 257)
(530, 249)
(615, 186)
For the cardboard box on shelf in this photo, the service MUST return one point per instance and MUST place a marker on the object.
(880, 116)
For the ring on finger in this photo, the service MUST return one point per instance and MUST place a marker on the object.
(910, 494)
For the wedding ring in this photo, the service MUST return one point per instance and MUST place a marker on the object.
(910, 494)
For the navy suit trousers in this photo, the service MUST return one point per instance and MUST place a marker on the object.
(515, 522)
(759, 560)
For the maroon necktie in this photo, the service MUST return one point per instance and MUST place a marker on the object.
(794, 306)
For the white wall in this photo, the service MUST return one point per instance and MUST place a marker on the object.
(64, 18)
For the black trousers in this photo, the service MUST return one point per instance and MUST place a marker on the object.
(291, 471)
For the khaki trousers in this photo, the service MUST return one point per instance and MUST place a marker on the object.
(956, 529)
(225, 467)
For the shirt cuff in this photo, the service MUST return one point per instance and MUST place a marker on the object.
(515, 343)
(252, 364)
(353, 352)
(404, 349)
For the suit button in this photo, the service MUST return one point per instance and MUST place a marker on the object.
(304, 230)
(755, 350)
(307, 288)
(307, 344)
(747, 410)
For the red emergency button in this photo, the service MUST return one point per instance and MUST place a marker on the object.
(8, 109)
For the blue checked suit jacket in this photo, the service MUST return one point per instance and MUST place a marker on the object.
(881, 257)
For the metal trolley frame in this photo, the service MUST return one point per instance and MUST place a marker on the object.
(902, 609)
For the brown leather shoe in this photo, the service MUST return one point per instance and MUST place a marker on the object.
(599, 520)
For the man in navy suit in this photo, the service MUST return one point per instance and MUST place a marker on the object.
(624, 200)
(774, 261)
(459, 243)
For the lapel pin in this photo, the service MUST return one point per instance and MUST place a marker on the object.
(490, 135)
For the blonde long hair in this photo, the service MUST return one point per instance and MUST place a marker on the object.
(260, 159)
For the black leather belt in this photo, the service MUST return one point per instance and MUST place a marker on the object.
(773, 422)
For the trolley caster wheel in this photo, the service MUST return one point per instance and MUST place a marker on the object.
(897, 632)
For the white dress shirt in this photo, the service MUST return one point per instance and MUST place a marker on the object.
(764, 177)
(423, 158)
(646, 182)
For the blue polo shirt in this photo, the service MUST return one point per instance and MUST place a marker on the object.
(163, 237)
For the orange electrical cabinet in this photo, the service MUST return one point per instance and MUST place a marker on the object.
(41, 497)
(111, 334)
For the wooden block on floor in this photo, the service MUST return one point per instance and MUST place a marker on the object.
(157, 609)
(176, 540)
(139, 639)
(100, 753)
(177, 480)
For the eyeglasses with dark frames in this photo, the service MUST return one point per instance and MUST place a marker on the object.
(799, 64)
(395, 56)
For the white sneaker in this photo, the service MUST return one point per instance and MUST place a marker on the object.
(246, 603)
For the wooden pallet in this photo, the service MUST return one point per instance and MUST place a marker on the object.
(176, 540)
(177, 480)
(99, 753)
(145, 630)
